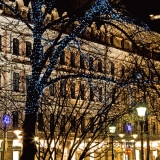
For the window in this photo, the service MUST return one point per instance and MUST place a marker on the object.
(91, 64)
(51, 122)
(16, 82)
(82, 91)
(15, 119)
(0, 77)
(73, 123)
(82, 124)
(91, 124)
(63, 88)
(28, 78)
(0, 43)
(52, 89)
(113, 95)
(100, 94)
(112, 68)
(91, 93)
(82, 62)
(15, 46)
(154, 127)
(73, 85)
(99, 65)
(62, 59)
(73, 59)
(63, 121)
(123, 71)
(40, 121)
(28, 48)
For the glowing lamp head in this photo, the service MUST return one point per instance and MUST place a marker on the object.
(112, 128)
(141, 110)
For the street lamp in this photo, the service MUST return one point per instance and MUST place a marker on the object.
(6, 120)
(112, 130)
(141, 110)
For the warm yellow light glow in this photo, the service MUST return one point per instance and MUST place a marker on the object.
(134, 136)
(17, 132)
(121, 135)
(36, 138)
(112, 129)
(141, 111)
(17, 143)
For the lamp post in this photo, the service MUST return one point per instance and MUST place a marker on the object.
(112, 130)
(141, 110)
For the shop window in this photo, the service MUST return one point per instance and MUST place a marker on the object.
(15, 82)
(15, 46)
(28, 48)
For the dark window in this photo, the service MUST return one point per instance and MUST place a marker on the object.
(28, 78)
(73, 59)
(15, 46)
(73, 85)
(16, 82)
(122, 71)
(51, 122)
(92, 124)
(28, 49)
(73, 123)
(0, 78)
(91, 93)
(82, 62)
(113, 95)
(15, 119)
(62, 59)
(134, 73)
(154, 127)
(52, 89)
(82, 124)
(99, 65)
(0, 43)
(40, 121)
(112, 68)
(100, 94)
(63, 88)
(91, 64)
(63, 121)
(82, 91)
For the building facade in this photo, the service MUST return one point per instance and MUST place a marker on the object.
(116, 70)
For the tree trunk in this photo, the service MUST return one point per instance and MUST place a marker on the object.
(29, 146)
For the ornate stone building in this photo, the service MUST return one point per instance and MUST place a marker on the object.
(106, 53)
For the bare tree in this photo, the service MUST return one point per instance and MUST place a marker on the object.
(49, 46)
